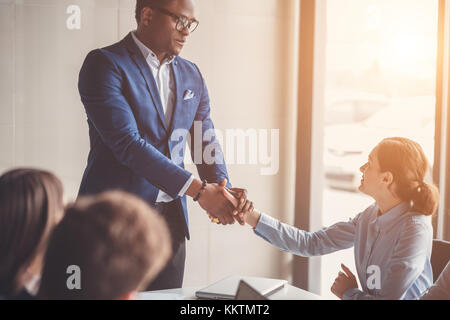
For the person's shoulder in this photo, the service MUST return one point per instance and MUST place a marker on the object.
(187, 66)
(417, 219)
(184, 61)
(416, 224)
(113, 52)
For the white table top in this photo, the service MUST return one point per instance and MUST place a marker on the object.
(289, 292)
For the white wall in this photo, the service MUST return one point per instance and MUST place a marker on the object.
(245, 50)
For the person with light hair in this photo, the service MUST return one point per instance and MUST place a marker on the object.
(115, 242)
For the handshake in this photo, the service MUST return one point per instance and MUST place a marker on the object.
(223, 205)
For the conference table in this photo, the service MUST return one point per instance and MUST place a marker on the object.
(288, 292)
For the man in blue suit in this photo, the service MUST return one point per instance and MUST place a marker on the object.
(142, 103)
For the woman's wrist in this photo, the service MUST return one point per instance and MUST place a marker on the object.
(252, 218)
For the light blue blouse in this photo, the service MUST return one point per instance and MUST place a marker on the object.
(392, 251)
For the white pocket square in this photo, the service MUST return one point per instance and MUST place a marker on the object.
(188, 94)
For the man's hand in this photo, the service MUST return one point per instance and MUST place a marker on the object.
(344, 282)
(218, 202)
(243, 204)
(244, 209)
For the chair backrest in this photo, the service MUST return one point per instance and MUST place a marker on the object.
(439, 257)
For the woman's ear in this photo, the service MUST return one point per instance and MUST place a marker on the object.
(387, 178)
(388, 181)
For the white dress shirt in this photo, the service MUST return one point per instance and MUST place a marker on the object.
(163, 75)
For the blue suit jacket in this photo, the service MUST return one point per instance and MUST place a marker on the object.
(130, 142)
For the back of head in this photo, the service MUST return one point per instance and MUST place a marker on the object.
(115, 240)
(31, 204)
(407, 162)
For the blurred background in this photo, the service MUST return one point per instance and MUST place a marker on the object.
(380, 82)
(375, 70)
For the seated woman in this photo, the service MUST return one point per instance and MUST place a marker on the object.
(392, 238)
(31, 204)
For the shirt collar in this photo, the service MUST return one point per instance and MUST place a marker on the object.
(391, 217)
(148, 54)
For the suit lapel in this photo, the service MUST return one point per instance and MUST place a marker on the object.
(177, 110)
(144, 68)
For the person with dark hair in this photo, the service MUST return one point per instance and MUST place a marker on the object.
(141, 4)
(31, 205)
(392, 238)
(143, 103)
(115, 241)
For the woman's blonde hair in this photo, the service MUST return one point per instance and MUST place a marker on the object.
(408, 164)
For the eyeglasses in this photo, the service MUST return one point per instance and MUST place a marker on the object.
(182, 22)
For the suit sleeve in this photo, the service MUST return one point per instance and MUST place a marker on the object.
(101, 90)
(213, 167)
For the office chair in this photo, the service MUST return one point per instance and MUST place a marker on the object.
(440, 256)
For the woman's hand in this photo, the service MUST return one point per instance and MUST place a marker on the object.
(244, 208)
(248, 214)
(244, 211)
(240, 217)
(344, 282)
(241, 195)
(244, 205)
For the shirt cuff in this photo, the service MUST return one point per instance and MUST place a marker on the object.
(164, 197)
(266, 227)
(186, 186)
(266, 223)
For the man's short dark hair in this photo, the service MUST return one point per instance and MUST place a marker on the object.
(141, 4)
(118, 242)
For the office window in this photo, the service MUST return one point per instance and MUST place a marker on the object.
(379, 82)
